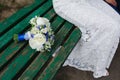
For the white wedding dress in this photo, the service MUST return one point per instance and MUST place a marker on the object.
(100, 28)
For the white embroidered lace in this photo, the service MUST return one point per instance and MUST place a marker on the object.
(100, 33)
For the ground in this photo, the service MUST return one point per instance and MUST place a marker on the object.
(8, 7)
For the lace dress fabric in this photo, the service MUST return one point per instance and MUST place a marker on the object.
(100, 27)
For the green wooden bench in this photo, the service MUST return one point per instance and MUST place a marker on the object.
(18, 61)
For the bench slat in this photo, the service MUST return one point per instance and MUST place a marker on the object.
(9, 52)
(19, 15)
(17, 64)
(58, 20)
(50, 14)
(57, 62)
(6, 38)
(35, 67)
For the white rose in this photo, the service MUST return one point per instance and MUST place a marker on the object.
(42, 21)
(37, 42)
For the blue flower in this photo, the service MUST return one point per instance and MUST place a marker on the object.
(47, 36)
(32, 35)
(44, 26)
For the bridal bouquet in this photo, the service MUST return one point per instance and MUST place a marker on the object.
(40, 37)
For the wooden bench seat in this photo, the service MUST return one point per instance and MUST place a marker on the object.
(18, 61)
